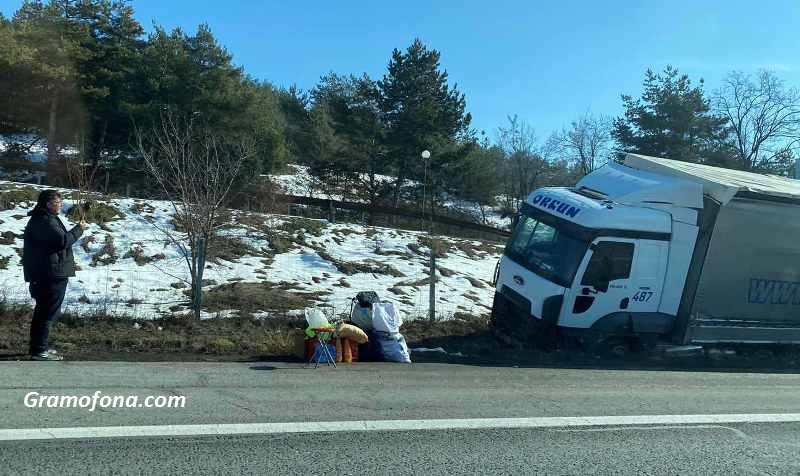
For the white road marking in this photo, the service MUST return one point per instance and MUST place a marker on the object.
(22, 434)
(736, 431)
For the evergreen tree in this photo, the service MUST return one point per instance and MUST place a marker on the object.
(670, 120)
(421, 112)
(354, 107)
(49, 46)
(325, 152)
(297, 122)
(195, 75)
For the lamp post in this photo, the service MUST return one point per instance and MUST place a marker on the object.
(426, 155)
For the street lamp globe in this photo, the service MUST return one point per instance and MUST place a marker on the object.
(426, 154)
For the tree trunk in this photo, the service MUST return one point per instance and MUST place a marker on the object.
(52, 150)
(97, 147)
(54, 166)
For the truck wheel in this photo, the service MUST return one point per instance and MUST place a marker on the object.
(613, 347)
(644, 343)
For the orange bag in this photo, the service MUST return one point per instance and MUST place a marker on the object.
(339, 349)
(348, 355)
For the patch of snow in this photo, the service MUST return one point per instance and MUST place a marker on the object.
(125, 288)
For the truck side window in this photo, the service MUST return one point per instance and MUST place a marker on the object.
(610, 260)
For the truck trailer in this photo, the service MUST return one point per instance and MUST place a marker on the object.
(651, 250)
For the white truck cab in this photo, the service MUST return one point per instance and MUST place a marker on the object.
(623, 253)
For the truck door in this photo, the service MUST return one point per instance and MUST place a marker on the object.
(602, 284)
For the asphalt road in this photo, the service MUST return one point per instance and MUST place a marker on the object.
(267, 393)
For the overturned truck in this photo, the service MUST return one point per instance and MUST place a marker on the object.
(654, 249)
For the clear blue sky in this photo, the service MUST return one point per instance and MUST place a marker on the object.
(547, 61)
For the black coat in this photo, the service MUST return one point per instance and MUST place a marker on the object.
(47, 249)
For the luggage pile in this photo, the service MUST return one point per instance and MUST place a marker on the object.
(372, 333)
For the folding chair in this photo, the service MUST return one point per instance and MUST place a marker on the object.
(322, 334)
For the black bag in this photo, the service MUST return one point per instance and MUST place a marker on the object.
(367, 298)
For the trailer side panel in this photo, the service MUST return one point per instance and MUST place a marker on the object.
(749, 286)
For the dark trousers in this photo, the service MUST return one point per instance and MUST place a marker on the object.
(49, 296)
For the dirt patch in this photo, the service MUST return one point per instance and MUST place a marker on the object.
(95, 212)
(416, 249)
(254, 297)
(413, 284)
(107, 254)
(12, 197)
(8, 238)
(279, 244)
(251, 220)
(142, 208)
(438, 245)
(367, 266)
(392, 253)
(86, 242)
(229, 248)
(4, 262)
(445, 272)
(477, 249)
(304, 225)
(476, 283)
(140, 258)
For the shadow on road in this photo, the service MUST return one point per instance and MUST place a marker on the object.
(13, 356)
(268, 368)
(485, 350)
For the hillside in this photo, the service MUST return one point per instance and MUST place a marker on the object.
(262, 264)
(299, 182)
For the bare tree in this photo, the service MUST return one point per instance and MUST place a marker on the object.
(586, 143)
(196, 169)
(80, 178)
(523, 161)
(764, 118)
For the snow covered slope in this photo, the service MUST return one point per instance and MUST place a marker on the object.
(127, 267)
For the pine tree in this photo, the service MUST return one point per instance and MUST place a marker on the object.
(421, 112)
(354, 106)
(670, 120)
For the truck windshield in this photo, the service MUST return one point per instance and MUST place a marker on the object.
(545, 250)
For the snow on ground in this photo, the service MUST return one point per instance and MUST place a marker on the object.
(36, 146)
(334, 266)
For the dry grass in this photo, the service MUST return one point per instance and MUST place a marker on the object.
(253, 297)
(438, 245)
(12, 196)
(166, 338)
(107, 254)
(229, 248)
(95, 212)
(304, 225)
(351, 267)
(478, 249)
(8, 238)
(141, 259)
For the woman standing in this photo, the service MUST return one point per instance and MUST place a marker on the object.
(47, 263)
